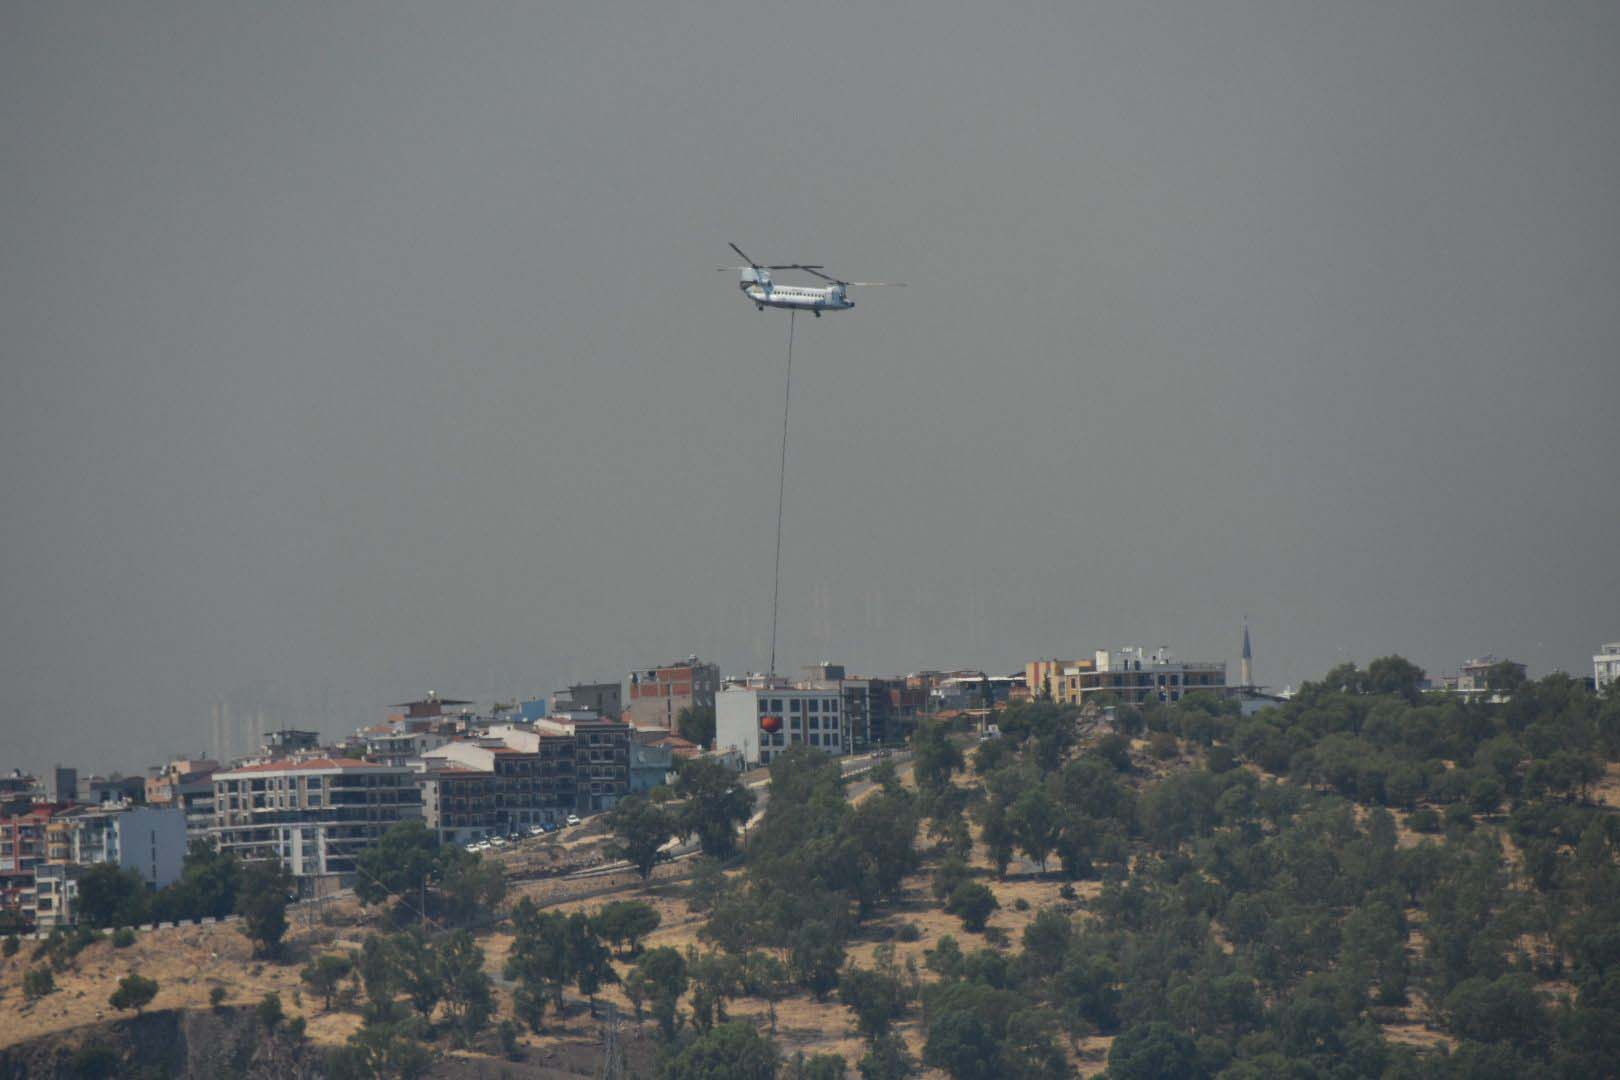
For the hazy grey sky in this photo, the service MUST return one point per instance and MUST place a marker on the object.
(355, 350)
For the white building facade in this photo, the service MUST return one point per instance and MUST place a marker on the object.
(761, 721)
(1606, 666)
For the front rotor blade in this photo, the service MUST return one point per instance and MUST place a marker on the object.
(743, 254)
(870, 284)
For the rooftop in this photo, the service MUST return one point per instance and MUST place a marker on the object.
(310, 765)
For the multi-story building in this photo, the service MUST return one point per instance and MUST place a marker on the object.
(764, 715)
(23, 849)
(189, 786)
(875, 709)
(1606, 665)
(146, 839)
(657, 695)
(314, 815)
(515, 775)
(18, 791)
(1134, 675)
(400, 743)
(1474, 678)
(603, 698)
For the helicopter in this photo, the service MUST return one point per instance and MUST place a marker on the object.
(756, 284)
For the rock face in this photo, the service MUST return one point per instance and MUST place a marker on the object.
(226, 1042)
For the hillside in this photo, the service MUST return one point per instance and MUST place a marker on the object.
(1362, 882)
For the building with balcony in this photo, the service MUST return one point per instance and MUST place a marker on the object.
(314, 815)
(1606, 666)
(23, 849)
(1130, 675)
(186, 785)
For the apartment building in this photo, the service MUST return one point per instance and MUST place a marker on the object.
(657, 695)
(764, 715)
(1606, 666)
(187, 785)
(1131, 675)
(876, 709)
(150, 841)
(314, 815)
(23, 850)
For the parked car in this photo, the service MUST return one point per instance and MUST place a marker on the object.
(573, 819)
(550, 826)
(473, 846)
(483, 845)
(537, 830)
(499, 841)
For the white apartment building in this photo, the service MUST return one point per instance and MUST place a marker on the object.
(315, 815)
(1606, 665)
(762, 718)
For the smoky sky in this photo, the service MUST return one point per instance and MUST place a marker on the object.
(351, 351)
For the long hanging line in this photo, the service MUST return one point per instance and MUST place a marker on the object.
(781, 487)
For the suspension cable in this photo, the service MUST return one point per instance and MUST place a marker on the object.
(781, 487)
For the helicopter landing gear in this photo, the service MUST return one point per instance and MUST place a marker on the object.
(817, 314)
(759, 307)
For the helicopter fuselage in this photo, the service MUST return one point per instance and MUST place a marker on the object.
(758, 287)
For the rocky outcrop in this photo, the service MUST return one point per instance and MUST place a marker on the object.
(179, 1043)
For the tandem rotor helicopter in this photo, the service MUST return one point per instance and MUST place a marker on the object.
(756, 284)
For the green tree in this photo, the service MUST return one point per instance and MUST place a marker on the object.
(469, 885)
(325, 974)
(468, 998)
(1154, 1051)
(640, 828)
(539, 958)
(695, 723)
(764, 975)
(626, 922)
(377, 964)
(815, 953)
(877, 998)
(589, 961)
(261, 900)
(732, 1051)
(659, 978)
(382, 1050)
(887, 1059)
(936, 756)
(110, 895)
(401, 863)
(973, 903)
(716, 803)
(420, 972)
(134, 992)
(1036, 821)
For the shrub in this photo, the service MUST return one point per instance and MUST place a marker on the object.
(123, 937)
(38, 982)
(908, 932)
(216, 997)
(11, 946)
(134, 991)
(1163, 745)
(269, 1011)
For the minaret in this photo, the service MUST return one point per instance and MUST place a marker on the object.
(1246, 676)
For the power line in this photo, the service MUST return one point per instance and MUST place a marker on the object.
(781, 487)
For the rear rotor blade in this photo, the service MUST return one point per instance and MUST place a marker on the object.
(871, 284)
(816, 270)
(812, 267)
